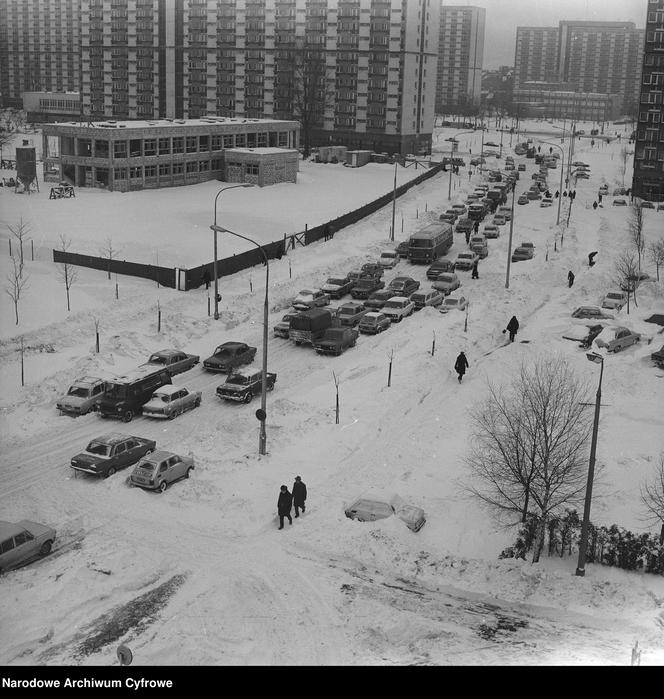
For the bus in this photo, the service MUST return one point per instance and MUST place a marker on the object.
(430, 243)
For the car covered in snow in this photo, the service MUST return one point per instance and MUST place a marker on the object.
(398, 308)
(337, 286)
(464, 225)
(583, 334)
(465, 260)
(22, 542)
(614, 300)
(230, 355)
(170, 401)
(447, 283)
(310, 298)
(591, 312)
(499, 220)
(616, 339)
(363, 288)
(490, 230)
(388, 259)
(378, 299)
(374, 269)
(427, 297)
(83, 396)
(438, 267)
(523, 199)
(350, 313)
(403, 286)
(452, 303)
(105, 455)
(174, 361)
(546, 202)
(161, 468)
(402, 248)
(521, 253)
(448, 218)
(370, 509)
(373, 323)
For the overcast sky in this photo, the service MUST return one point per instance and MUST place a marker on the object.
(503, 16)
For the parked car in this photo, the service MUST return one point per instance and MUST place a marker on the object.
(490, 230)
(373, 323)
(174, 361)
(84, 395)
(310, 298)
(616, 339)
(337, 286)
(520, 254)
(465, 260)
(532, 195)
(464, 225)
(374, 269)
(459, 208)
(477, 161)
(158, 470)
(230, 355)
(243, 384)
(448, 218)
(590, 312)
(427, 297)
(447, 283)
(528, 244)
(658, 357)
(614, 300)
(337, 340)
(350, 313)
(581, 175)
(403, 286)
(619, 202)
(479, 245)
(398, 308)
(523, 199)
(368, 509)
(635, 281)
(453, 212)
(583, 334)
(364, 287)
(647, 205)
(402, 248)
(388, 259)
(492, 144)
(22, 542)
(438, 267)
(521, 167)
(453, 302)
(377, 300)
(111, 452)
(126, 394)
(170, 401)
(505, 211)
(499, 220)
(282, 328)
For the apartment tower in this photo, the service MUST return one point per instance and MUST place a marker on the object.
(535, 56)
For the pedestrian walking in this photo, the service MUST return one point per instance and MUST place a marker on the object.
(206, 278)
(475, 274)
(591, 258)
(565, 193)
(599, 197)
(570, 278)
(284, 505)
(574, 195)
(512, 328)
(461, 365)
(299, 495)
(467, 237)
(476, 226)
(595, 205)
(557, 194)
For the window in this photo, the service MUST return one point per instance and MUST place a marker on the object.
(150, 170)
(192, 166)
(204, 165)
(252, 169)
(120, 174)
(203, 143)
(120, 149)
(192, 144)
(216, 142)
(164, 146)
(22, 538)
(150, 147)
(6, 545)
(178, 144)
(164, 170)
(135, 173)
(229, 141)
(178, 168)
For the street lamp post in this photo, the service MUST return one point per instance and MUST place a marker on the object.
(583, 544)
(562, 167)
(509, 244)
(260, 414)
(214, 228)
(394, 201)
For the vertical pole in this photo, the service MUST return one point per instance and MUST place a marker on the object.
(32, 249)
(215, 271)
(394, 201)
(158, 317)
(509, 244)
(449, 188)
(157, 268)
(22, 365)
(208, 304)
(116, 286)
(262, 445)
(583, 543)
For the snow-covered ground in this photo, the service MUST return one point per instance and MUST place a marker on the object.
(200, 574)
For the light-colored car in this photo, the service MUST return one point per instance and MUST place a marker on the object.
(170, 401)
(369, 509)
(174, 361)
(310, 298)
(546, 202)
(388, 259)
(491, 231)
(523, 199)
(499, 220)
(83, 395)
(454, 302)
(447, 283)
(614, 300)
(505, 211)
(616, 339)
(459, 208)
(479, 245)
(21, 542)
(465, 260)
(619, 202)
(590, 312)
(373, 323)
(159, 469)
(398, 308)
(427, 297)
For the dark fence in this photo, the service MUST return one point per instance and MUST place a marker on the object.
(164, 275)
(195, 276)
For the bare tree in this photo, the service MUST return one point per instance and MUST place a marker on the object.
(20, 230)
(109, 252)
(636, 231)
(66, 271)
(657, 254)
(626, 272)
(529, 444)
(17, 283)
(652, 497)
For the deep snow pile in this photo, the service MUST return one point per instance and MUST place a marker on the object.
(200, 575)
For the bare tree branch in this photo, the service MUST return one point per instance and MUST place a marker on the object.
(652, 497)
(17, 283)
(67, 272)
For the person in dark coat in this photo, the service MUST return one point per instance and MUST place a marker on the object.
(467, 237)
(476, 226)
(299, 495)
(557, 194)
(595, 205)
(591, 258)
(475, 274)
(461, 365)
(512, 328)
(284, 504)
(599, 198)
(570, 278)
(207, 278)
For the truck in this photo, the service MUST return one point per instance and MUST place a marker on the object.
(310, 326)
(243, 384)
(430, 243)
(337, 340)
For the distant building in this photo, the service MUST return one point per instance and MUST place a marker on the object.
(535, 56)
(648, 180)
(460, 57)
(51, 106)
(553, 101)
(132, 155)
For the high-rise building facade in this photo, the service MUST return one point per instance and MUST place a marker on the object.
(648, 181)
(39, 47)
(535, 56)
(460, 57)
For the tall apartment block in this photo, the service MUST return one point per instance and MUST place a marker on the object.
(536, 54)
(648, 181)
(460, 56)
(39, 48)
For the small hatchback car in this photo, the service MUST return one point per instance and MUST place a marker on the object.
(159, 469)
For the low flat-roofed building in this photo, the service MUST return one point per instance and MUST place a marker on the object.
(132, 155)
(261, 166)
(51, 106)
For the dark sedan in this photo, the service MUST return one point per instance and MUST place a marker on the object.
(230, 355)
